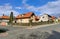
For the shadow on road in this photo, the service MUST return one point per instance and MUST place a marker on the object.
(40, 35)
(2, 30)
(55, 35)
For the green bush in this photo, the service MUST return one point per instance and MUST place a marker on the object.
(58, 20)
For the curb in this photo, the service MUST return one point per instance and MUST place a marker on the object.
(35, 27)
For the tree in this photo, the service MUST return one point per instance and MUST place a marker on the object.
(11, 17)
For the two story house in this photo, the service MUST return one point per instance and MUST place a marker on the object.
(24, 18)
(46, 17)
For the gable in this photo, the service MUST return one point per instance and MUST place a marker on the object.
(27, 15)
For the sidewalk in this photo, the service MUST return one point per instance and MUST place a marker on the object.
(35, 27)
(39, 26)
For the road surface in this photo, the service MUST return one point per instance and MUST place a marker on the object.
(15, 31)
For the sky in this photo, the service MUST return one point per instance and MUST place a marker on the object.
(39, 7)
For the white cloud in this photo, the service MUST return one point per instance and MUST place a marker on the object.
(24, 1)
(6, 9)
(50, 8)
(18, 8)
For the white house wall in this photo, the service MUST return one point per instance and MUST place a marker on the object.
(23, 21)
(5, 20)
(44, 18)
(18, 21)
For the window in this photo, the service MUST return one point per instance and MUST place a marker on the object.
(43, 17)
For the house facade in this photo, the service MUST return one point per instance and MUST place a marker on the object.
(24, 18)
(21, 18)
(46, 17)
(4, 20)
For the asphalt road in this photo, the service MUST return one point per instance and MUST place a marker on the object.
(15, 31)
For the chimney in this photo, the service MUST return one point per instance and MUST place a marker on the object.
(3, 14)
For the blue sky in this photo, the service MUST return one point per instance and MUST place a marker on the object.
(23, 6)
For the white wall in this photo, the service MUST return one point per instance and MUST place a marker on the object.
(18, 21)
(4, 20)
(26, 20)
(23, 21)
(44, 18)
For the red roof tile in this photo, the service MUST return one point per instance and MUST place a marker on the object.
(37, 18)
(53, 17)
(4, 17)
(19, 16)
(27, 15)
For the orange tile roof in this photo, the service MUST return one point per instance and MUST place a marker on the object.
(53, 17)
(19, 16)
(4, 17)
(27, 15)
(37, 18)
